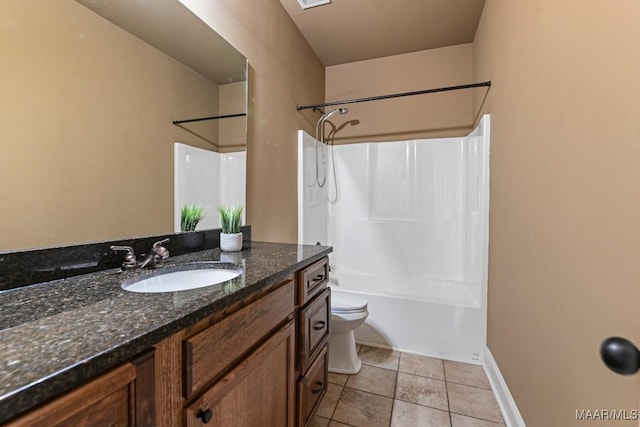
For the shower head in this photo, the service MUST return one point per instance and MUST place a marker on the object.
(325, 116)
(340, 110)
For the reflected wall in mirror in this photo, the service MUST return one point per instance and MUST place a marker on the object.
(88, 110)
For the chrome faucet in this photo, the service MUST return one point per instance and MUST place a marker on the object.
(156, 254)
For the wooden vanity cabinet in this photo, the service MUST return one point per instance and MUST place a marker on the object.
(235, 368)
(314, 316)
(121, 397)
(262, 361)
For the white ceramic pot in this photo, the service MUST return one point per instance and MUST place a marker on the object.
(231, 242)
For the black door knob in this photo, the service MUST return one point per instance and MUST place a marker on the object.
(205, 415)
(620, 355)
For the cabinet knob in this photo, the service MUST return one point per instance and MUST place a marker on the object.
(318, 387)
(620, 355)
(205, 415)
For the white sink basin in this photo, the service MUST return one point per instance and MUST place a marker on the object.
(182, 280)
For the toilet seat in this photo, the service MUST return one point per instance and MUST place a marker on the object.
(347, 303)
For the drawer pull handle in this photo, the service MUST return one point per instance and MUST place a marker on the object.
(204, 415)
(318, 278)
(318, 388)
(319, 325)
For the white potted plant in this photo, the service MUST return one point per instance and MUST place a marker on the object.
(231, 221)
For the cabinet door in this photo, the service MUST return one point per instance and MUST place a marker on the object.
(259, 391)
(120, 398)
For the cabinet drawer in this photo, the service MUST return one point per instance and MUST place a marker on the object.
(314, 327)
(208, 353)
(312, 280)
(312, 387)
(259, 391)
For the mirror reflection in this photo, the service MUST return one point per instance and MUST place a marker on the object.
(88, 108)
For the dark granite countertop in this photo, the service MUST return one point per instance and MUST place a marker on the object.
(57, 335)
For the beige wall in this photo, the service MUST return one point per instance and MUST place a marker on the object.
(232, 132)
(284, 72)
(87, 138)
(429, 115)
(565, 191)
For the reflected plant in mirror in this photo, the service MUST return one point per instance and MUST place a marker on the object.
(190, 216)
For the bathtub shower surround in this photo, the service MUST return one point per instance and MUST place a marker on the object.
(208, 179)
(409, 230)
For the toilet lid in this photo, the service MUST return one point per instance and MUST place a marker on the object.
(342, 303)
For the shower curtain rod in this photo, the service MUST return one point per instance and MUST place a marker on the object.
(201, 119)
(394, 95)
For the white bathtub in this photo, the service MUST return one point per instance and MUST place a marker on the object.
(409, 230)
(422, 326)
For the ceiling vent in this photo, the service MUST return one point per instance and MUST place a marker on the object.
(306, 4)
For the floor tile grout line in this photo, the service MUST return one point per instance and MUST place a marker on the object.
(444, 374)
(479, 419)
(443, 380)
(346, 424)
(369, 392)
(362, 391)
(480, 389)
(422, 376)
(379, 367)
(446, 390)
(424, 406)
(469, 385)
(395, 388)
(337, 402)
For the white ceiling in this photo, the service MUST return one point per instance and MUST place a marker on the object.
(354, 30)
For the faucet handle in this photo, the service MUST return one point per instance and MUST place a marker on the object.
(160, 251)
(129, 258)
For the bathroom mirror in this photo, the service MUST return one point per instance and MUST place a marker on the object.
(91, 90)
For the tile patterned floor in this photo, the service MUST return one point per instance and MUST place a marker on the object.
(396, 389)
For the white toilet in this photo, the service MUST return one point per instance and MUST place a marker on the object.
(347, 313)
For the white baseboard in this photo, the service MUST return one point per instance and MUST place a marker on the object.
(507, 405)
(405, 350)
